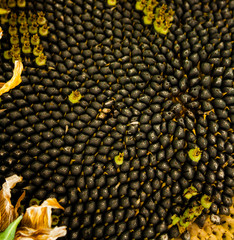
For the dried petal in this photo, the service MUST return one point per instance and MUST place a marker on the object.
(36, 223)
(15, 80)
(7, 211)
(1, 32)
(25, 233)
(40, 216)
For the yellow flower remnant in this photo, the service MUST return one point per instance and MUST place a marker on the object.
(75, 97)
(37, 221)
(119, 159)
(15, 80)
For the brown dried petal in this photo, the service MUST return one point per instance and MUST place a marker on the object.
(15, 80)
(39, 217)
(36, 223)
(25, 233)
(7, 211)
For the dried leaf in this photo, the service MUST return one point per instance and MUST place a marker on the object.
(7, 211)
(9, 233)
(15, 80)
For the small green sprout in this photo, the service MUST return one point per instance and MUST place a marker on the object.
(15, 49)
(111, 2)
(34, 201)
(22, 18)
(148, 19)
(25, 38)
(11, 3)
(55, 220)
(12, 29)
(153, 3)
(21, 3)
(32, 18)
(16, 57)
(190, 192)
(75, 97)
(44, 30)
(205, 201)
(195, 154)
(14, 39)
(7, 54)
(35, 40)
(37, 50)
(41, 59)
(189, 215)
(140, 5)
(33, 28)
(23, 28)
(197, 210)
(41, 20)
(148, 9)
(161, 26)
(119, 159)
(13, 19)
(26, 49)
(175, 219)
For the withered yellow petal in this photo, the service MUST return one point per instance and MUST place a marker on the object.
(7, 211)
(15, 80)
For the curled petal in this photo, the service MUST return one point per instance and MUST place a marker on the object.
(25, 233)
(39, 217)
(7, 212)
(15, 80)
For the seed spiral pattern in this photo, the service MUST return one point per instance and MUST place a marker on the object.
(148, 97)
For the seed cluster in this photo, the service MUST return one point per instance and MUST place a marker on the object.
(159, 14)
(149, 98)
(24, 30)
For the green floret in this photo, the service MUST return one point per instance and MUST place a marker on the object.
(195, 154)
(140, 5)
(175, 219)
(205, 201)
(190, 192)
(119, 159)
(111, 2)
(148, 19)
(75, 97)
(160, 27)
